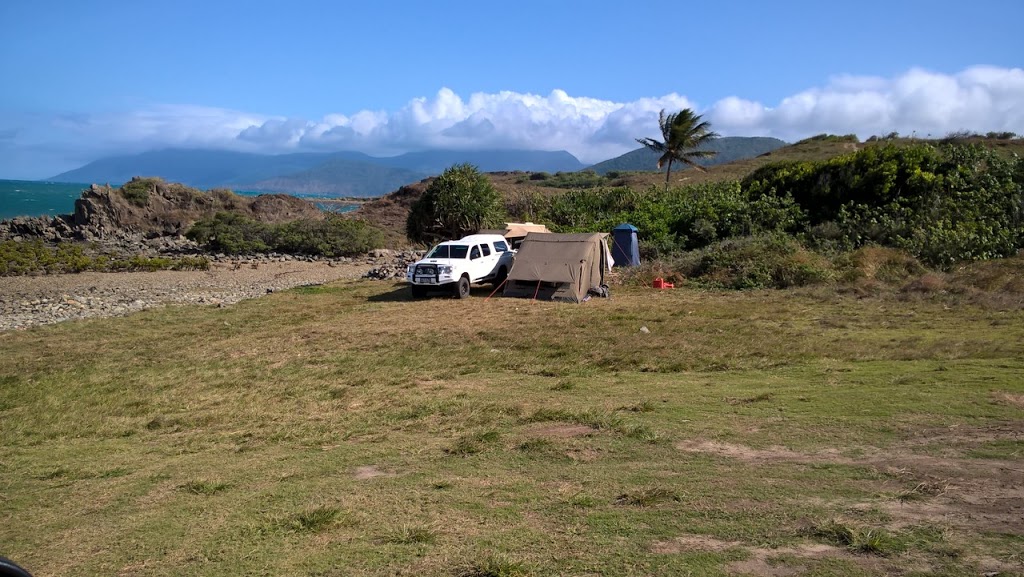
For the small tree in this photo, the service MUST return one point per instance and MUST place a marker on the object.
(459, 202)
(684, 132)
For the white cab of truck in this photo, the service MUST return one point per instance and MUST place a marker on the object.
(455, 264)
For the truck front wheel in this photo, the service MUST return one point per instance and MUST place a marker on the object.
(418, 291)
(462, 288)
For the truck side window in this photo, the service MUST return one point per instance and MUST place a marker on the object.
(475, 253)
(487, 249)
(500, 246)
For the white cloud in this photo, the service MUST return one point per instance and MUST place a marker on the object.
(980, 98)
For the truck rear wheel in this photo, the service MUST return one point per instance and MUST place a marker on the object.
(462, 288)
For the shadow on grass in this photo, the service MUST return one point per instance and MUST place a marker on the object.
(400, 292)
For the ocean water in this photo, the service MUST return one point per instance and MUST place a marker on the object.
(35, 198)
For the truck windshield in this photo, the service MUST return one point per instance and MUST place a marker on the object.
(449, 251)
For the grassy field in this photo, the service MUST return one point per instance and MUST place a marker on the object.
(347, 430)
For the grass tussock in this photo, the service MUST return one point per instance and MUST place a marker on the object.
(204, 487)
(538, 445)
(467, 445)
(870, 541)
(493, 566)
(648, 497)
(411, 535)
(759, 398)
(923, 490)
(312, 520)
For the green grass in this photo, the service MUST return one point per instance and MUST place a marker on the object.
(349, 431)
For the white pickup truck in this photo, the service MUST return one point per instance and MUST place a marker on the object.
(455, 264)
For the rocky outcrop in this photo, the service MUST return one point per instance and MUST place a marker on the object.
(149, 215)
(390, 211)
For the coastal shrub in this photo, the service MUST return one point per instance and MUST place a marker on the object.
(877, 263)
(231, 233)
(526, 206)
(137, 190)
(580, 179)
(765, 261)
(334, 235)
(459, 202)
(943, 204)
(674, 220)
(19, 258)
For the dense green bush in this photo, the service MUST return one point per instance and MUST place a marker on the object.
(943, 204)
(766, 261)
(137, 190)
(579, 179)
(671, 220)
(232, 233)
(335, 235)
(459, 202)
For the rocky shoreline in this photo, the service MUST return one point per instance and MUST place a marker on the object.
(148, 218)
(28, 301)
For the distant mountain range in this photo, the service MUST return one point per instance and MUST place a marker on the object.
(729, 148)
(360, 175)
(329, 174)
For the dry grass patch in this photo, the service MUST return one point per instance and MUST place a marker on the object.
(1008, 398)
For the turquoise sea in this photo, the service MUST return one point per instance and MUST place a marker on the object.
(36, 198)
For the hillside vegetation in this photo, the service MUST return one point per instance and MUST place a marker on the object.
(809, 204)
(727, 149)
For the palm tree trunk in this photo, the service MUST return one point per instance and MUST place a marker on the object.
(668, 171)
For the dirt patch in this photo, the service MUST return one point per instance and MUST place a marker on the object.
(960, 436)
(693, 543)
(1006, 398)
(756, 456)
(762, 562)
(561, 430)
(583, 455)
(949, 490)
(370, 472)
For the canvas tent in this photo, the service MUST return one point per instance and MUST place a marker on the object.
(561, 267)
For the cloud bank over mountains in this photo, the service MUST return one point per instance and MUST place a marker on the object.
(980, 98)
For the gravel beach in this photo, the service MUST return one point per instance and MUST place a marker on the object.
(27, 301)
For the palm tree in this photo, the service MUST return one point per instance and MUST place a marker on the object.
(684, 132)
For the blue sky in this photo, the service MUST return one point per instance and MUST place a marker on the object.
(82, 80)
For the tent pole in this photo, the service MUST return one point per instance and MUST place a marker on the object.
(536, 292)
(496, 289)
